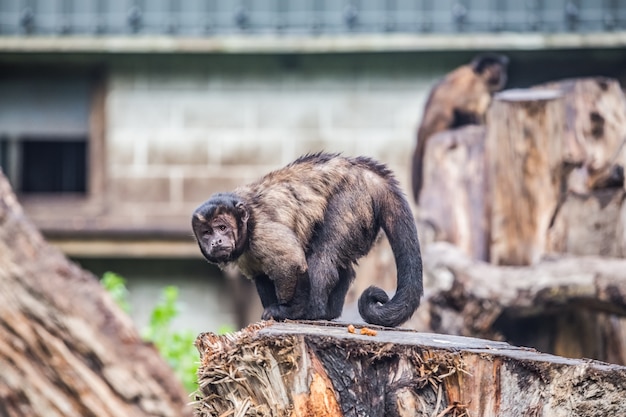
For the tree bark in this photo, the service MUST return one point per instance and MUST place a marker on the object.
(301, 369)
(595, 131)
(590, 224)
(453, 192)
(66, 349)
(524, 161)
(566, 305)
(592, 217)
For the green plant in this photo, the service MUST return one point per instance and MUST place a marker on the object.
(176, 346)
(116, 286)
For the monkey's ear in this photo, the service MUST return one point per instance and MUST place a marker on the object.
(243, 211)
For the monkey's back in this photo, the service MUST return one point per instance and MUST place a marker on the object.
(298, 195)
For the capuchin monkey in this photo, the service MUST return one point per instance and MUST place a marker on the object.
(298, 232)
(460, 99)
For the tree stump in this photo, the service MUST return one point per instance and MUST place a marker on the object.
(595, 131)
(66, 349)
(592, 218)
(535, 186)
(524, 162)
(324, 369)
(453, 193)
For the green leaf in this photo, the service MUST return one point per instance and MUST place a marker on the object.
(116, 286)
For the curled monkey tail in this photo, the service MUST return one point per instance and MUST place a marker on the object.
(398, 223)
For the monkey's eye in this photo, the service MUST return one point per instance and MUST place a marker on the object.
(222, 228)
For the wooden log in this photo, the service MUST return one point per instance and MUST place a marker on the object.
(322, 369)
(595, 131)
(524, 155)
(570, 306)
(453, 192)
(66, 349)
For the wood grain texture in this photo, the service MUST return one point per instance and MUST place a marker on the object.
(524, 165)
(453, 194)
(321, 369)
(595, 128)
(66, 349)
(593, 223)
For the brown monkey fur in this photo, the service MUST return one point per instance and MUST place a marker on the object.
(298, 231)
(460, 98)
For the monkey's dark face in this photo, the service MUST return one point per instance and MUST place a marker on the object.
(221, 231)
(217, 236)
(495, 76)
(493, 69)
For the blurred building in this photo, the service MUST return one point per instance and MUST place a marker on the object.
(118, 117)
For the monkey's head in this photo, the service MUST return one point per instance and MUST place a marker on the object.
(220, 226)
(492, 68)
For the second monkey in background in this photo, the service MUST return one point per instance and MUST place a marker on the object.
(461, 98)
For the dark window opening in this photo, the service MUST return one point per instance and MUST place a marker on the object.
(44, 129)
(34, 165)
(53, 166)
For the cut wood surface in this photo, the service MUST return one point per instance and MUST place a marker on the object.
(322, 369)
(524, 162)
(66, 349)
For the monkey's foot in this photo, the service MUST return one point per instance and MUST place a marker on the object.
(277, 312)
(280, 312)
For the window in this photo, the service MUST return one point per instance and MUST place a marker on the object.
(44, 131)
(53, 166)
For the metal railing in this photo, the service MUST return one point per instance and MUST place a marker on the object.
(305, 17)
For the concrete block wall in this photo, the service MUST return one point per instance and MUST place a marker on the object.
(179, 129)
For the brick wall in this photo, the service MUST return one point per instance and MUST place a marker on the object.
(181, 129)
